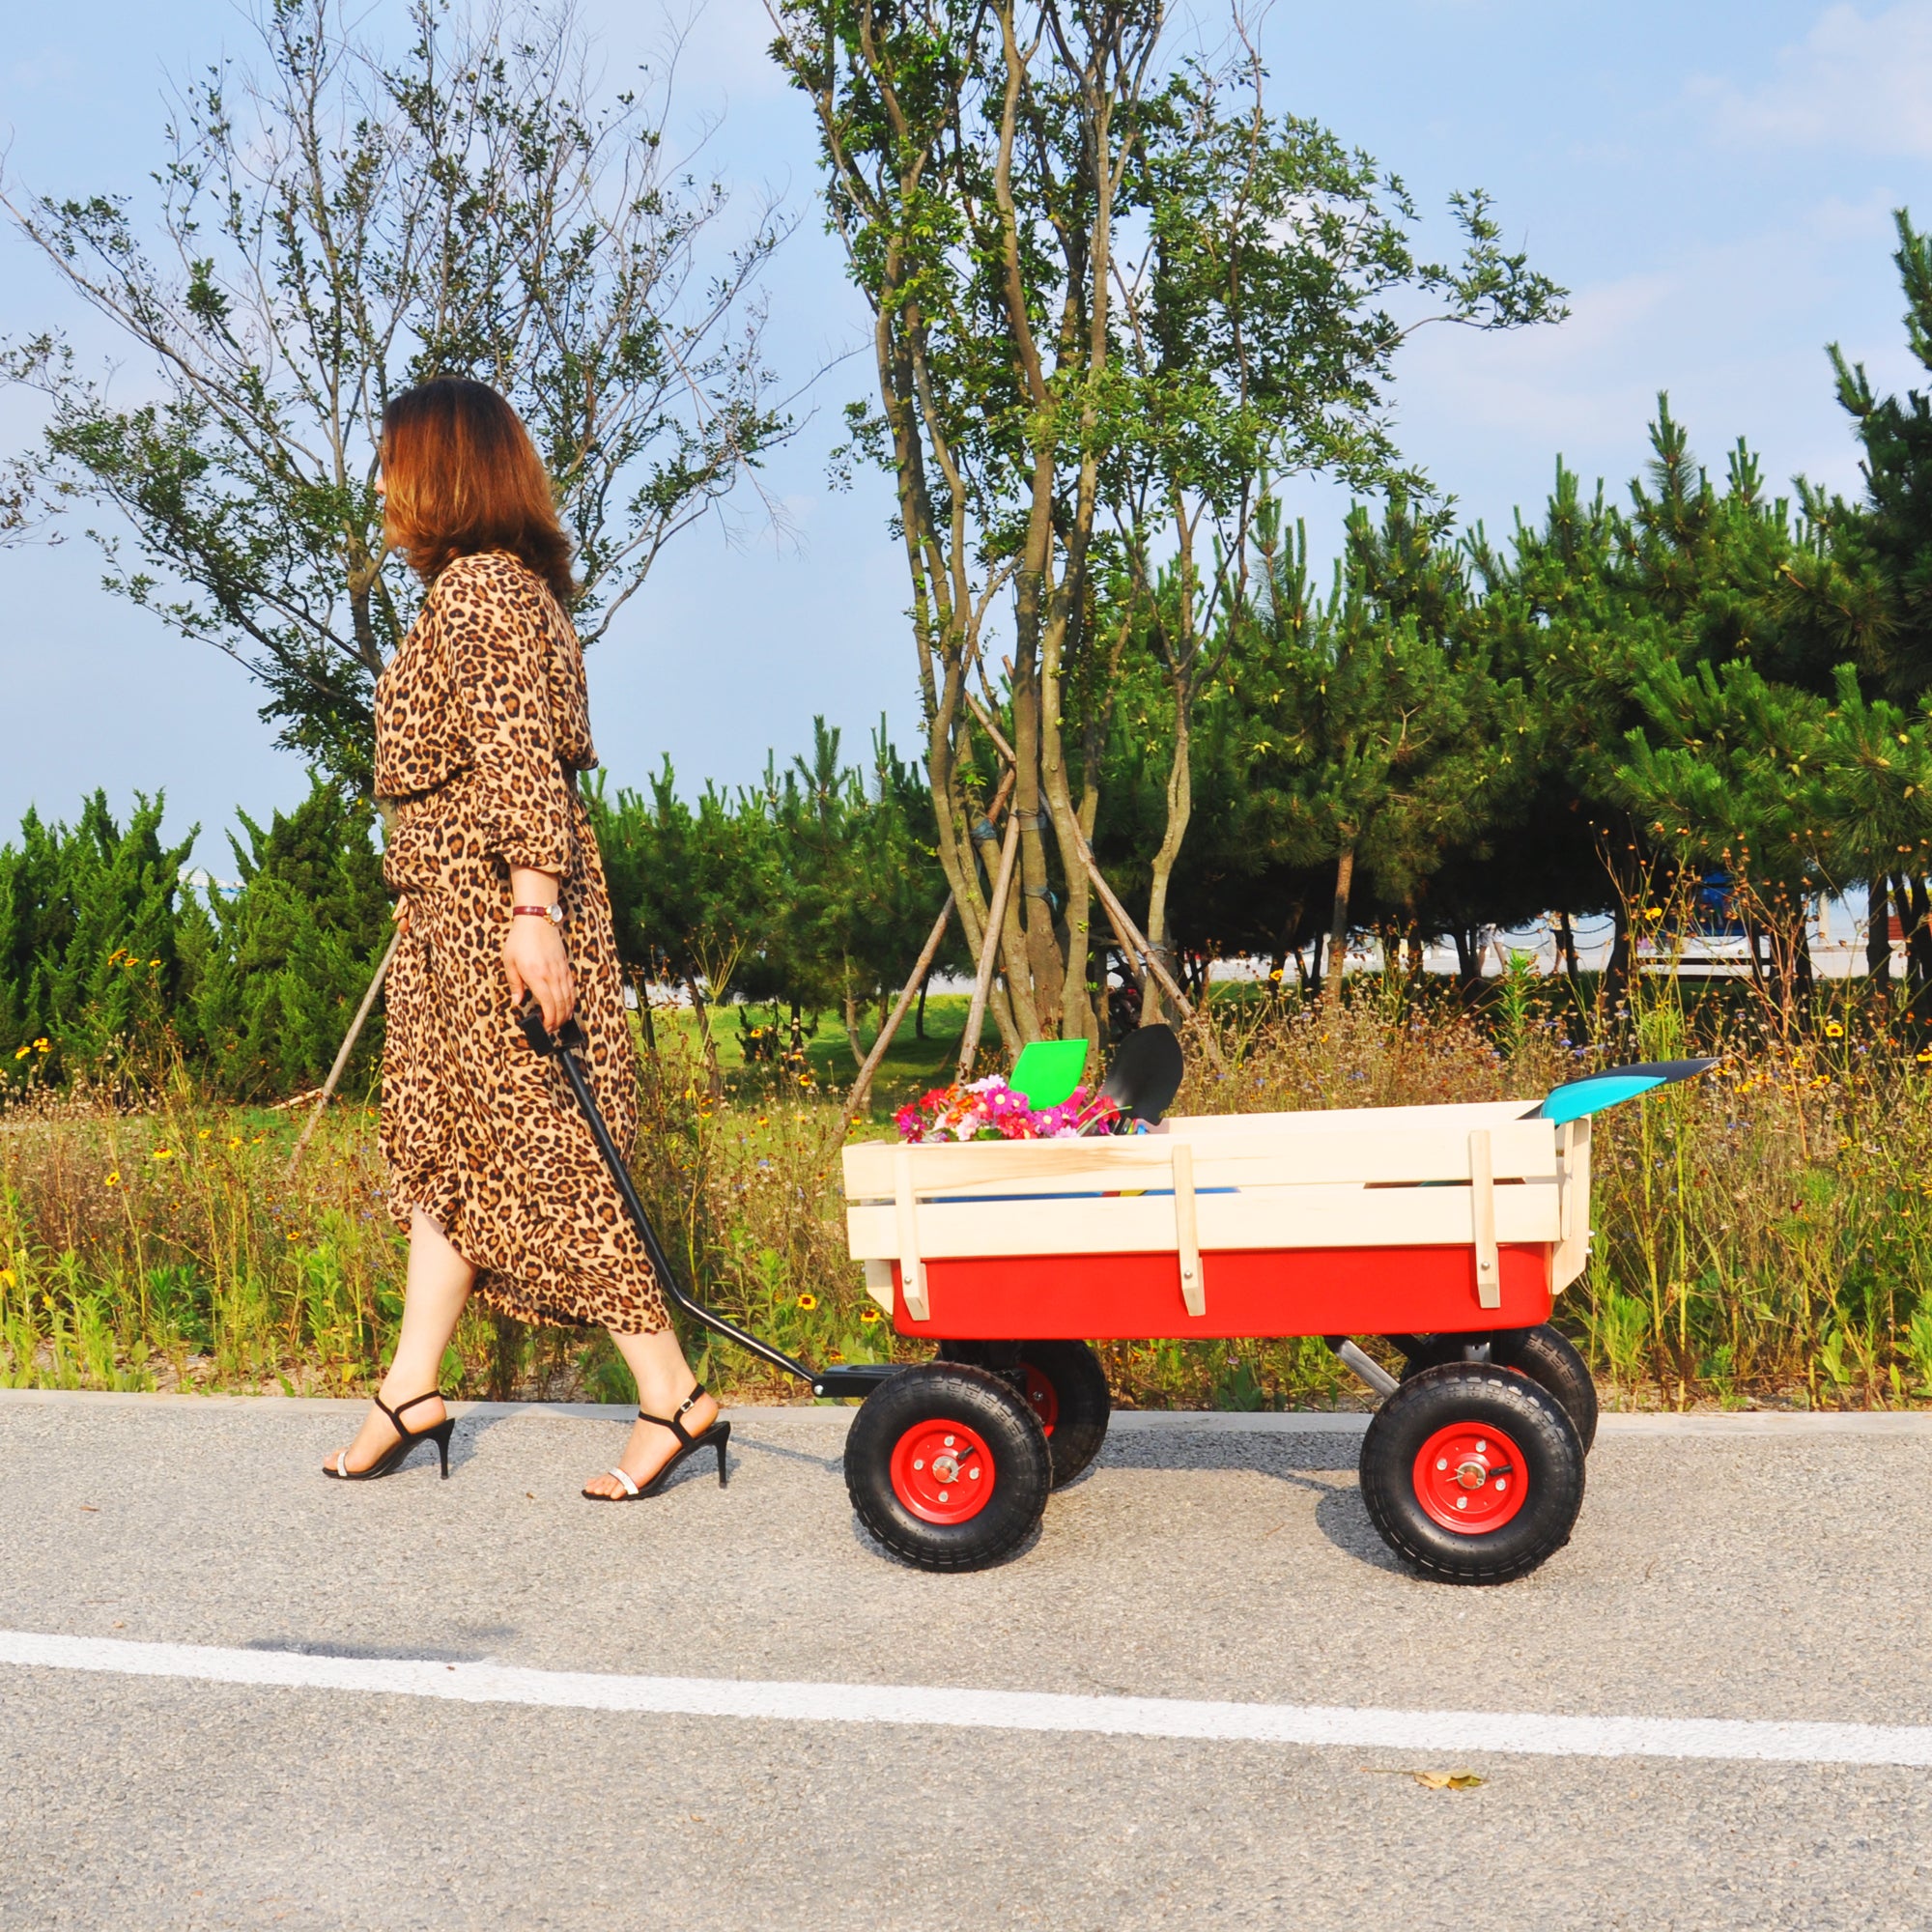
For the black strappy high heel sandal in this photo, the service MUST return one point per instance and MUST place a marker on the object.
(718, 1435)
(393, 1457)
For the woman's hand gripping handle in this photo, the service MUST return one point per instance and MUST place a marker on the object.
(534, 959)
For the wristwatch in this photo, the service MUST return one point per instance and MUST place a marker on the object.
(552, 913)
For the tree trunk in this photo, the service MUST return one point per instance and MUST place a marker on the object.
(1918, 945)
(1617, 971)
(1566, 945)
(851, 1014)
(919, 1018)
(1338, 925)
(1179, 809)
(715, 1082)
(1878, 933)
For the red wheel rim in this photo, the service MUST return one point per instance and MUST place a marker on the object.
(1041, 1396)
(943, 1471)
(1470, 1478)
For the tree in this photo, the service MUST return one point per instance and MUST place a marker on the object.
(275, 968)
(692, 890)
(89, 952)
(334, 225)
(1107, 293)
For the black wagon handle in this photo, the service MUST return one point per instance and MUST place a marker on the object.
(563, 1046)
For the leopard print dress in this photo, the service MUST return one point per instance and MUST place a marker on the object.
(482, 724)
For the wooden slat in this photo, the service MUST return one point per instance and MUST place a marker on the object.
(1397, 1152)
(1287, 1217)
(905, 1238)
(1483, 1221)
(1461, 1116)
(1573, 1254)
(1187, 1230)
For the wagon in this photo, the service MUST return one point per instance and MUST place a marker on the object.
(1446, 1230)
(1449, 1230)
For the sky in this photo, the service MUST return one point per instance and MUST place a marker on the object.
(1714, 182)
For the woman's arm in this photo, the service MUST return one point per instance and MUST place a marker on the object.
(521, 799)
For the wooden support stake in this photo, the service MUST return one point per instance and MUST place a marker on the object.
(1136, 943)
(1483, 1216)
(989, 946)
(862, 1087)
(347, 1048)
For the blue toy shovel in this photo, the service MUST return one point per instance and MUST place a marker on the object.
(1594, 1092)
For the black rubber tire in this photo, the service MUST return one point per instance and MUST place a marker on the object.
(1004, 1422)
(1084, 1402)
(1546, 1357)
(1481, 1394)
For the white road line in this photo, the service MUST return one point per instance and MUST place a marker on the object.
(1454, 1732)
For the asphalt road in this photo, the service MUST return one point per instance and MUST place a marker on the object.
(1733, 1572)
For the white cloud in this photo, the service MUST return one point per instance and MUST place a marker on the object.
(1856, 80)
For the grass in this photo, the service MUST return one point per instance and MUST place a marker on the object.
(1763, 1234)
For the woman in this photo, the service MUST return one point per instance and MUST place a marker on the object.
(481, 727)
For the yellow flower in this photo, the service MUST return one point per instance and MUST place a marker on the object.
(164, 1153)
(23, 1053)
(1653, 912)
(204, 1132)
(764, 1120)
(1833, 1031)
(6, 1277)
(236, 1140)
(808, 1302)
(868, 1316)
(43, 1045)
(114, 1179)
(153, 962)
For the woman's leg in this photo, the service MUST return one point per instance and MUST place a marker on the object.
(663, 1380)
(434, 1291)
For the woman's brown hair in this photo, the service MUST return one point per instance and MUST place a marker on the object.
(460, 475)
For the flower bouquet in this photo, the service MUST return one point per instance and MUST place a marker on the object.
(990, 1110)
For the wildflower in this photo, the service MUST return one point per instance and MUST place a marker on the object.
(1833, 1031)
(868, 1316)
(204, 1132)
(808, 1302)
(6, 1277)
(114, 1179)
(164, 1153)
(23, 1053)
(235, 1141)
(44, 1046)
(1653, 912)
(153, 962)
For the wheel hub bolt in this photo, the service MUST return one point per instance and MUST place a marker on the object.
(944, 1468)
(1472, 1475)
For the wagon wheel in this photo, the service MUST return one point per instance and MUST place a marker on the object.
(947, 1466)
(1543, 1354)
(1472, 1473)
(1068, 1389)
(1065, 1386)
